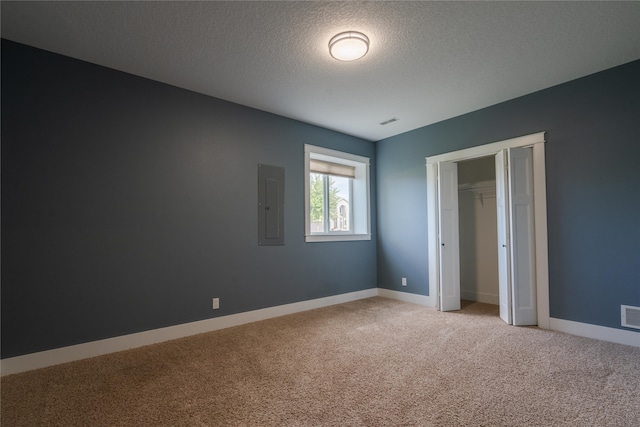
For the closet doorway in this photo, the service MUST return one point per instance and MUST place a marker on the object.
(478, 220)
(521, 229)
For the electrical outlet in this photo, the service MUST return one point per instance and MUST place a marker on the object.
(216, 303)
(404, 281)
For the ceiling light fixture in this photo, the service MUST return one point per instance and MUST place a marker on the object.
(349, 46)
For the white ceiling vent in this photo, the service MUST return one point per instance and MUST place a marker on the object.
(630, 316)
(386, 122)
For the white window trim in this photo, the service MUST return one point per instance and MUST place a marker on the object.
(360, 210)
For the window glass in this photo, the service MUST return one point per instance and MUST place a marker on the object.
(316, 202)
(339, 196)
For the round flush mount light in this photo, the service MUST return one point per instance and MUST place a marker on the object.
(349, 46)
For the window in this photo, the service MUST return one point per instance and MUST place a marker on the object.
(336, 196)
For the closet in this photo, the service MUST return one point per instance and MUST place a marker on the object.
(520, 221)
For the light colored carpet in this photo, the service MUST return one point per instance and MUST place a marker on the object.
(375, 362)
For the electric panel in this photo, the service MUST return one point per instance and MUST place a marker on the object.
(270, 205)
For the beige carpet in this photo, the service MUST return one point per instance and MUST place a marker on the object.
(375, 362)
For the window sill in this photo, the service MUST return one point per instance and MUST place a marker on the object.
(336, 237)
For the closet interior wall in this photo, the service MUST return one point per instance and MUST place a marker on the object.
(478, 230)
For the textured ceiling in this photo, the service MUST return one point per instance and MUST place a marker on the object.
(428, 61)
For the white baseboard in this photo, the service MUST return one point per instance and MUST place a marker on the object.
(407, 297)
(28, 362)
(42, 359)
(480, 297)
(603, 333)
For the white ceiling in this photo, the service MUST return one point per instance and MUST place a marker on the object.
(428, 61)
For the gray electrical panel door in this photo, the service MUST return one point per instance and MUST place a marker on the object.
(270, 205)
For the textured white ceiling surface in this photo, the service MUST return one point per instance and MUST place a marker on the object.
(428, 61)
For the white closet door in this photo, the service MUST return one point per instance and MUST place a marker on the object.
(449, 236)
(523, 297)
(504, 258)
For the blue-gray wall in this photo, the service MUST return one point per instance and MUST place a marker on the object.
(127, 205)
(593, 190)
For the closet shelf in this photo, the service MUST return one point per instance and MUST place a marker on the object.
(486, 188)
(481, 190)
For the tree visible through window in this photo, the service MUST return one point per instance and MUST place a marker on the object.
(329, 198)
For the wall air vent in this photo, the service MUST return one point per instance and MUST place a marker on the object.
(386, 122)
(630, 316)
